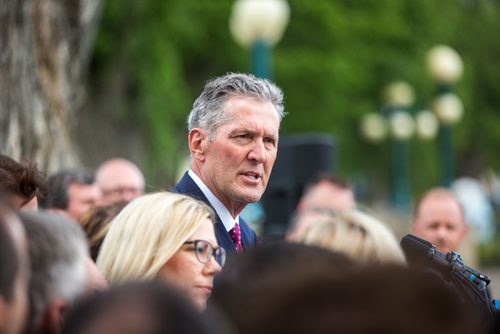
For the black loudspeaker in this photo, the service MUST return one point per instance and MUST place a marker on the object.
(300, 158)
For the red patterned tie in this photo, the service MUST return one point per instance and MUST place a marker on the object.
(235, 235)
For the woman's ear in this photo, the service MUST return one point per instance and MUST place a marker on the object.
(197, 139)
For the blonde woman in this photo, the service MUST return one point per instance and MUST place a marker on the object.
(164, 236)
(356, 234)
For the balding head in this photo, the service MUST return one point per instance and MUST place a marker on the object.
(329, 191)
(439, 219)
(120, 181)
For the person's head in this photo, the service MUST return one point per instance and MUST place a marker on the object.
(58, 252)
(95, 224)
(14, 273)
(22, 184)
(120, 180)
(72, 191)
(136, 308)
(327, 190)
(380, 299)
(302, 219)
(233, 137)
(439, 219)
(358, 235)
(163, 236)
(247, 279)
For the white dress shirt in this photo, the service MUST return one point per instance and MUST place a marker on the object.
(219, 208)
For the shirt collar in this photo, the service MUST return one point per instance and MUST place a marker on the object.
(219, 208)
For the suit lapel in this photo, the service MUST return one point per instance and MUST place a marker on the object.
(223, 237)
(188, 187)
(245, 233)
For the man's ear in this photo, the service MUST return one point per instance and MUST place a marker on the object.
(197, 139)
(54, 315)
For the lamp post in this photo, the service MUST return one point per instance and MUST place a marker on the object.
(399, 97)
(259, 25)
(396, 121)
(445, 67)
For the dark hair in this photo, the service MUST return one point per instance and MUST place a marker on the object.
(21, 179)
(58, 197)
(301, 291)
(264, 268)
(95, 224)
(157, 309)
(9, 255)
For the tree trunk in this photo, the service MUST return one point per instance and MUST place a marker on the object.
(44, 45)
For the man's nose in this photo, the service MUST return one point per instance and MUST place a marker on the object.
(258, 152)
(442, 233)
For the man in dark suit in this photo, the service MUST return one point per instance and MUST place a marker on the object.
(233, 139)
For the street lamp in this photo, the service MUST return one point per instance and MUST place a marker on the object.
(397, 122)
(445, 67)
(259, 25)
(399, 96)
(427, 125)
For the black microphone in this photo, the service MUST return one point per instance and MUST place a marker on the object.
(469, 283)
(420, 251)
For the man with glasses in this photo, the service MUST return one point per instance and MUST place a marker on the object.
(120, 180)
(233, 139)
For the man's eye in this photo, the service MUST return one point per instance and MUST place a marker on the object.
(243, 137)
(269, 141)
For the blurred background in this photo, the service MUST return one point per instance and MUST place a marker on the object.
(406, 92)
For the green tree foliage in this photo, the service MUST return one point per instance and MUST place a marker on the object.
(333, 62)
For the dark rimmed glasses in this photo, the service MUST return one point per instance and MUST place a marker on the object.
(204, 252)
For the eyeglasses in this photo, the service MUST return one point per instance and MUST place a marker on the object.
(204, 252)
(121, 191)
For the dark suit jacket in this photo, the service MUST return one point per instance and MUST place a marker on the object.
(188, 187)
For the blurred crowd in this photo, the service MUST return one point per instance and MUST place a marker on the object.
(91, 251)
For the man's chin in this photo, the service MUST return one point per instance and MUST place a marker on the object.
(247, 198)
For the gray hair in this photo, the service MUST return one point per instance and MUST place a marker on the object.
(58, 250)
(208, 111)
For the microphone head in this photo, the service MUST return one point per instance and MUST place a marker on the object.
(416, 250)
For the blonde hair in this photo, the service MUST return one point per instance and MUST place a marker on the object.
(356, 234)
(147, 233)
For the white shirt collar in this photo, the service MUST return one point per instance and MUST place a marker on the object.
(219, 208)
